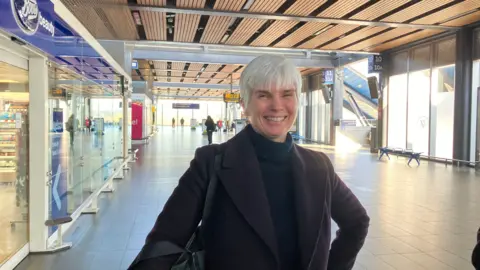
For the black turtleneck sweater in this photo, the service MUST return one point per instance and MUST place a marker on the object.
(276, 168)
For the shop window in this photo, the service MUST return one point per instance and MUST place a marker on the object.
(397, 111)
(419, 58)
(441, 109)
(418, 116)
(399, 63)
(476, 46)
(445, 52)
(14, 153)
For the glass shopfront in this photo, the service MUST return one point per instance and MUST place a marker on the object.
(85, 136)
(14, 153)
(421, 98)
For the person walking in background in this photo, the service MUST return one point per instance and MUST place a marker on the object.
(173, 122)
(87, 124)
(70, 126)
(210, 128)
(182, 121)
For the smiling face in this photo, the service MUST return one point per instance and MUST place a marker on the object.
(272, 112)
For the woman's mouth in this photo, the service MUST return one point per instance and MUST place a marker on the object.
(275, 118)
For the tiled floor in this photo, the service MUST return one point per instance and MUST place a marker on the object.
(421, 217)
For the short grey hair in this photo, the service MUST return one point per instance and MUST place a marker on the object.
(266, 71)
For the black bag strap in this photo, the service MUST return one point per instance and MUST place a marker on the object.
(212, 186)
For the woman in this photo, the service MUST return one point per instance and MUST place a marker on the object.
(210, 124)
(274, 201)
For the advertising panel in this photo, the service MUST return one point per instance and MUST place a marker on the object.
(137, 119)
(58, 192)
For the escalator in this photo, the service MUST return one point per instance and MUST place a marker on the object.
(357, 97)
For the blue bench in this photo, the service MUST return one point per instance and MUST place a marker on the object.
(400, 152)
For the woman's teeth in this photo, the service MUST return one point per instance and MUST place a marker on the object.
(276, 119)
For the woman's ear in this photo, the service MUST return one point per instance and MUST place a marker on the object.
(242, 103)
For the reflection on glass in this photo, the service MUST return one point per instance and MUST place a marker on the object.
(397, 111)
(418, 111)
(474, 135)
(441, 137)
(14, 151)
(85, 136)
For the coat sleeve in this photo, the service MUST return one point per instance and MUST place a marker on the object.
(352, 220)
(476, 253)
(183, 211)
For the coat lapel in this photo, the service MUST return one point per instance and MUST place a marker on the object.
(310, 185)
(242, 179)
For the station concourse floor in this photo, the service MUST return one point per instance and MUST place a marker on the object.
(422, 217)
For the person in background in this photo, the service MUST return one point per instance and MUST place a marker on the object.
(182, 121)
(71, 126)
(275, 201)
(210, 124)
(87, 124)
(173, 122)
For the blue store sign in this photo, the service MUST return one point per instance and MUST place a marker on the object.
(30, 20)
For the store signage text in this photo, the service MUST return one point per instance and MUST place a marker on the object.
(29, 17)
(375, 63)
(193, 106)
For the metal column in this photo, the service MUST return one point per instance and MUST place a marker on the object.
(463, 94)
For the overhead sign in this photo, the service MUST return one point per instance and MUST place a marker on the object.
(135, 65)
(375, 64)
(58, 92)
(231, 97)
(328, 76)
(192, 106)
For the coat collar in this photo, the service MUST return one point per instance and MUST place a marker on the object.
(241, 176)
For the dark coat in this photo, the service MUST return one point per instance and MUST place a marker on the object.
(239, 234)
(476, 253)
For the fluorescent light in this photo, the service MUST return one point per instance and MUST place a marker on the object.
(8, 81)
(248, 4)
(202, 70)
(224, 39)
(323, 30)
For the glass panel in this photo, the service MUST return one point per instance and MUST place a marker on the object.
(476, 46)
(474, 135)
(419, 59)
(441, 136)
(445, 53)
(14, 151)
(399, 63)
(397, 111)
(418, 111)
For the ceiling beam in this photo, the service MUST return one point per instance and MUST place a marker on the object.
(217, 58)
(195, 85)
(188, 97)
(278, 17)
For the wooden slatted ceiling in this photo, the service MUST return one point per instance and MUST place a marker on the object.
(337, 10)
(218, 25)
(178, 65)
(369, 13)
(278, 28)
(248, 27)
(120, 20)
(155, 23)
(89, 18)
(186, 24)
(404, 40)
(465, 20)
(160, 65)
(431, 19)
(401, 16)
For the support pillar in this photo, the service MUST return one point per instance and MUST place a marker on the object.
(337, 104)
(463, 94)
(40, 175)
